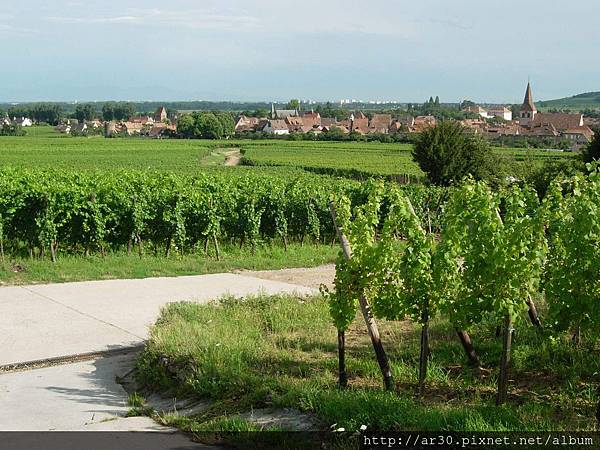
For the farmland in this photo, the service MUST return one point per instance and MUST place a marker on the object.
(43, 148)
(362, 160)
(352, 159)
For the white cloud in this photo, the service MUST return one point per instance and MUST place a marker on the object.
(202, 19)
(266, 19)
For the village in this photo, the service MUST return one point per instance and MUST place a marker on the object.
(491, 123)
(565, 130)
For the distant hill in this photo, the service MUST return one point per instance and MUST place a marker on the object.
(588, 100)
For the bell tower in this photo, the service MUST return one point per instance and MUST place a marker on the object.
(528, 110)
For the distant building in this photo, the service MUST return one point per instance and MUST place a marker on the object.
(283, 113)
(579, 135)
(568, 126)
(476, 109)
(143, 120)
(380, 123)
(160, 115)
(501, 112)
(421, 123)
(528, 110)
(132, 128)
(246, 124)
(276, 126)
(23, 121)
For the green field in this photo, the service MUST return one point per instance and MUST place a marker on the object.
(55, 151)
(362, 160)
(44, 148)
(352, 159)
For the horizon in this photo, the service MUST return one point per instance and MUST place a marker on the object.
(228, 50)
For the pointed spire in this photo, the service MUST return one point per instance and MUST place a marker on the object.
(528, 104)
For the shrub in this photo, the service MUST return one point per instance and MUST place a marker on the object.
(446, 153)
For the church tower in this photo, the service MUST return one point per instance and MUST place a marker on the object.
(528, 110)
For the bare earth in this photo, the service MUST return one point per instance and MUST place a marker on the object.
(233, 158)
(312, 277)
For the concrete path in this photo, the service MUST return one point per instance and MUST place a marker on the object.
(55, 320)
(80, 397)
(73, 397)
(45, 322)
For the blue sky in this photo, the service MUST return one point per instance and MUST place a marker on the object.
(317, 49)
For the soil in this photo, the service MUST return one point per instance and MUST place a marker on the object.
(233, 157)
(312, 277)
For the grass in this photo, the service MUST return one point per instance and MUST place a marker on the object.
(44, 148)
(23, 270)
(40, 149)
(281, 352)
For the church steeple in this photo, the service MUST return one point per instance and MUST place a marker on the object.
(528, 101)
(528, 109)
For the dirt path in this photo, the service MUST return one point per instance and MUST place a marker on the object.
(233, 157)
(312, 277)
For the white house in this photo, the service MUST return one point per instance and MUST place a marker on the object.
(278, 127)
(501, 112)
(23, 121)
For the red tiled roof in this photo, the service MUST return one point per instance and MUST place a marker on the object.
(561, 121)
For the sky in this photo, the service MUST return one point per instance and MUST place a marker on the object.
(69, 50)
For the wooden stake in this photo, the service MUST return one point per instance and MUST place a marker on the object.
(533, 314)
(216, 244)
(53, 251)
(366, 311)
(343, 378)
(424, 356)
(505, 361)
(467, 344)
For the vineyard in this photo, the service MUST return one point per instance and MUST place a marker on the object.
(44, 148)
(360, 160)
(348, 159)
(46, 213)
(495, 254)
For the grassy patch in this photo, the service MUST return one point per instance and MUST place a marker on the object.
(281, 352)
(122, 266)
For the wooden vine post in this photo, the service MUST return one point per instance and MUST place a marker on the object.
(505, 361)
(343, 377)
(533, 314)
(424, 356)
(365, 308)
(467, 345)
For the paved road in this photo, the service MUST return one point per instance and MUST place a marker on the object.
(73, 397)
(48, 321)
(51, 321)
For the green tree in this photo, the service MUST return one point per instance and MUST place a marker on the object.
(446, 153)
(437, 100)
(227, 123)
(293, 104)
(123, 110)
(108, 111)
(466, 103)
(186, 126)
(592, 151)
(85, 111)
(209, 126)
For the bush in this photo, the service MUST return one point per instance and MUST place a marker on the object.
(592, 151)
(446, 153)
(12, 130)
